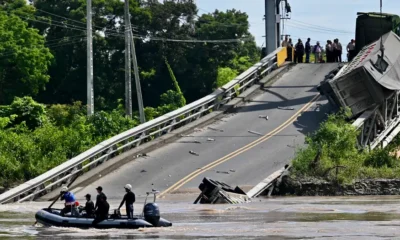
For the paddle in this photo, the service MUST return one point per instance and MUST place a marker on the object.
(55, 199)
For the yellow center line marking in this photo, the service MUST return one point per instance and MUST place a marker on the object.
(249, 146)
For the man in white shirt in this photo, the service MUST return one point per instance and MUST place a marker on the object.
(351, 49)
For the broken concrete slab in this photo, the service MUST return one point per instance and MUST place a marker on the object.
(268, 183)
(215, 192)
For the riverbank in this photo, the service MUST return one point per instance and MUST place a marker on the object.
(319, 187)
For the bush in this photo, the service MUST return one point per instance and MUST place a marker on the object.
(336, 140)
(33, 140)
(25, 110)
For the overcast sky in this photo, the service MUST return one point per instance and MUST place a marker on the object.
(339, 15)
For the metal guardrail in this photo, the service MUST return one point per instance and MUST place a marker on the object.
(146, 132)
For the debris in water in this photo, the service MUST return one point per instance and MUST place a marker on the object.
(210, 139)
(215, 192)
(143, 170)
(257, 133)
(286, 108)
(194, 153)
(215, 129)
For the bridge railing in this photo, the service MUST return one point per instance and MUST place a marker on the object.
(146, 132)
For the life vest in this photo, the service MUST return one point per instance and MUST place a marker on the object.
(69, 198)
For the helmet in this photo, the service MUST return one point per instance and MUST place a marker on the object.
(128, 186)
(64, 189)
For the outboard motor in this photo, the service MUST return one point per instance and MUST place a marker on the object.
(152, 214)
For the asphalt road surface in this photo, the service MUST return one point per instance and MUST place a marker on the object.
(240, 149)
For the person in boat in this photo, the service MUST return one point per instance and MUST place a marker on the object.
(129, 199)
(99, 194)
(69, 199)
(102, 210)
(89, 207)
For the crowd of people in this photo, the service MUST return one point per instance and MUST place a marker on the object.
(333, 50)
(99, 211)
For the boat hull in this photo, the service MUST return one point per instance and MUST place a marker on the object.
(51, 218)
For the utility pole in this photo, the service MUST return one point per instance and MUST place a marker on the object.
(273, 18)
(271, 24)
(135, 68)
(128, 78)
(90, 97)
(137, 81)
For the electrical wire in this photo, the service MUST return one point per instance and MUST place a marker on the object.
(69, 19)
(313, 30)
(320, 27)
(154, 38)
(58, 39)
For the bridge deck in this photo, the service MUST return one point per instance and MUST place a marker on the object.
(170, 164)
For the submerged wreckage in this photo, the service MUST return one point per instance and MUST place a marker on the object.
(215, 192)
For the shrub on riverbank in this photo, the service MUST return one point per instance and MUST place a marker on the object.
(332, 154)
(35, 138)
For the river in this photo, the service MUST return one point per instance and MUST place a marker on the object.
(273, 218)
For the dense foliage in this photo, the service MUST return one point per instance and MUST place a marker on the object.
(59, 27)
(43, 59)
(332, 153)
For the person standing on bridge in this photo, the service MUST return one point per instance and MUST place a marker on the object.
(299, 51)
(308, 50)
(285, 42)
(129, 199)
(351, 49)
(337, 50)
(329, 52)
(99, 195)
(317, 52)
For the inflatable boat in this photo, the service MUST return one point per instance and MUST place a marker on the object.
(149, 218)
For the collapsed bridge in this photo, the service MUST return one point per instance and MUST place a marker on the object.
(369, 86)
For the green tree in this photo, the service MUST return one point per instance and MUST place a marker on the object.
(25, 110)
(24, 59)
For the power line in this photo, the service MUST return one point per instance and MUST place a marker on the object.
(149, 38)
(192, 40)
(314, 30)
(320, 27)
(70, 19)
(62, 24)
(58, 39)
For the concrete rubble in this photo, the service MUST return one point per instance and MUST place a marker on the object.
(215, 192)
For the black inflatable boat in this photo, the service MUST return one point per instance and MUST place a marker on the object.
(149, 218)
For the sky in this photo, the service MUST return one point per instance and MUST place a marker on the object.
(310, 18)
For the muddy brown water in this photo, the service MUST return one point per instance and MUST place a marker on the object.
(275, 218)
